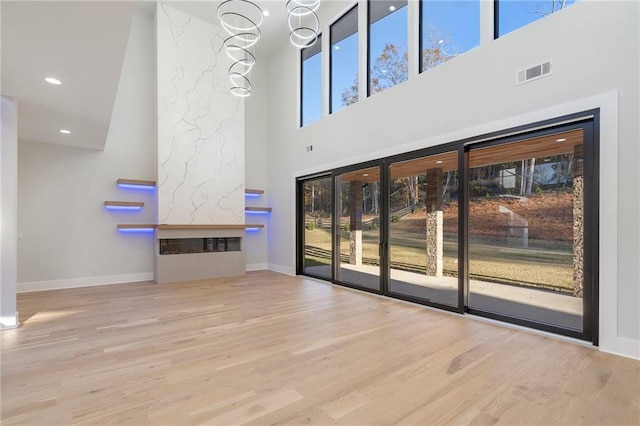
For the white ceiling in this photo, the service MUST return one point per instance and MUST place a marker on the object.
(82, 43)
(274, 29)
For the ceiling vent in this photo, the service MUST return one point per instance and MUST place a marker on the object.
(533, 73)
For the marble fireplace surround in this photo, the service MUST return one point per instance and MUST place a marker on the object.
(200, 125)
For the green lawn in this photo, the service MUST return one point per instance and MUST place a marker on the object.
(489, 261)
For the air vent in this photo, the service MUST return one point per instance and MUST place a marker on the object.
(533, 73)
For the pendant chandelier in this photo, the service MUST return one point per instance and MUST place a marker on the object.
(304, 23)
(241, 19)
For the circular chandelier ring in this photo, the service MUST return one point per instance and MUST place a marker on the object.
(316, 21)
(237, 53)
(229, 3)
(242, 67)
(247, 40)
(303, 42)
(308, 6)
(232, 29)
(239, 80)
(241, 92)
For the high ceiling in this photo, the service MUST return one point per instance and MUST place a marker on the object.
(82, 43)
(274, 29)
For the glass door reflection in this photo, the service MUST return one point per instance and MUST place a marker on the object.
(423, 229)
(317, 195)
(526, 230)
(357, 232)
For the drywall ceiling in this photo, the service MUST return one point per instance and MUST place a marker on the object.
(81, 43)
(274, 29)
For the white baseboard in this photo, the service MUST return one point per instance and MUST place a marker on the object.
(622, 346)
(27, 287)
(256, 267)
(282, 269)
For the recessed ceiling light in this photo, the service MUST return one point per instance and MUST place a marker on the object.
(265, 13)
(392, 8)
(561, 140)
(365, 174)
(439, 162)
(65, 131)
(52, 80)
(336, 47)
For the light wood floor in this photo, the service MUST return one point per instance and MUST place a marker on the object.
(271, 349)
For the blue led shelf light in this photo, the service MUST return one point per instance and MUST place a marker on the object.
(147, 185)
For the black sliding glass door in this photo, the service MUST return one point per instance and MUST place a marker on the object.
(357, 232)
(527, 215)
(503, 226)
(316, 217)
(423, 229)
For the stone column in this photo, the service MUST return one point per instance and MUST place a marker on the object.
(578, 221)
(434, 222)
(355, 212)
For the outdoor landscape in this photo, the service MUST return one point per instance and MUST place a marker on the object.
(499, 251)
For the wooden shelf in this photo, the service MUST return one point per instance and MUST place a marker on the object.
(137, 226)
(254, 191)
(137, 182)
(243, 226)
(124, 204)
(258, 209)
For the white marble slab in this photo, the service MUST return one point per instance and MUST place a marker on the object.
(200, 125)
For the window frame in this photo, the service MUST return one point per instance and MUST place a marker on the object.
(330, 79)
(421, 68)
(368, 39)
(496, 18)
(301, 76)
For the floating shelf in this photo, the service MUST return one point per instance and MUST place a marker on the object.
(137, 183)
(258, 209)
(140, 227)
(256, 192)
(133, 204)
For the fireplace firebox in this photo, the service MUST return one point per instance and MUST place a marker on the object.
(198, 245)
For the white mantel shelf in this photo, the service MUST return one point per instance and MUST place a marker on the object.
(167, 226)
(241, 226)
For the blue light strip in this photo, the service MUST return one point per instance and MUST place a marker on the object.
(253, 229)
(251, 195)
(142, 187)
(136, 230)
(256, 212)
(129, 208)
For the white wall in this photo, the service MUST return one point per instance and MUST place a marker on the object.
(67, 238)
(8, 211)
(594, 47)
(200, 125)
(255, 243)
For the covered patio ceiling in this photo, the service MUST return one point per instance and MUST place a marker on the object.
(544, 146)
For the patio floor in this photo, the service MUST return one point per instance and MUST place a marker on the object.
(521, 302)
